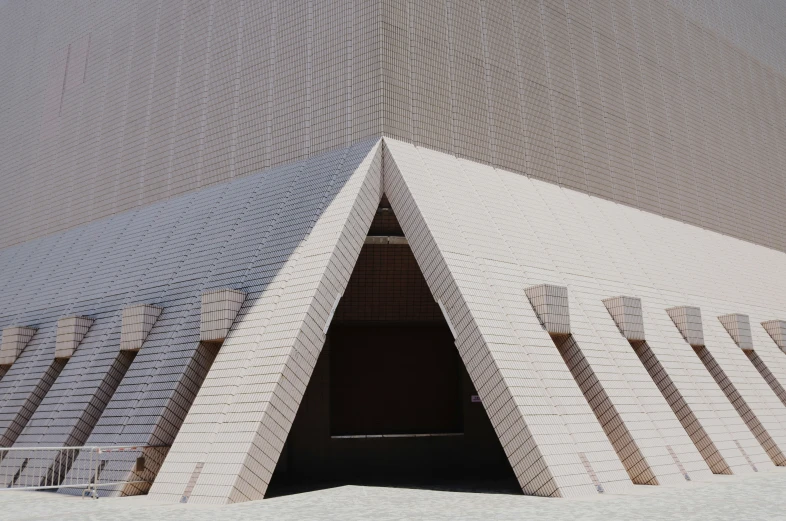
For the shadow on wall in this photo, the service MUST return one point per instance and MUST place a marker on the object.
(238, 235)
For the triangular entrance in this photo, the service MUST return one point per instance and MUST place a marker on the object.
(390, 401)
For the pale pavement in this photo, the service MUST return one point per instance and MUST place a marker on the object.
(755, 497)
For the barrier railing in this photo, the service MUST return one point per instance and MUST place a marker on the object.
(42, 468)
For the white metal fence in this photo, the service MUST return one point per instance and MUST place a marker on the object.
(42, 468)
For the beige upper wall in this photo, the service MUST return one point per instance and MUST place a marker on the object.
(624, 99)
(177, 95)
(757, 26)
(109, 105)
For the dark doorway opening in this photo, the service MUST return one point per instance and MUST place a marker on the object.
(390, 402)
(394, 380)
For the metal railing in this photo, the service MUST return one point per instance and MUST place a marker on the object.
(42, 468)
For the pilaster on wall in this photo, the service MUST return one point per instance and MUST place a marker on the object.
(748, 392)
(70, 332)
(219, 310)
(656, 259)
(703, 411)
(137, 322)
(777, 331)
(627, 314)
(74, 403)
(739, 327)
(26, 383)
(768, 360)
(14, 341)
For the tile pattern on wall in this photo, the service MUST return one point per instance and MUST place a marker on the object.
(551, 437)
(70, 332)
(627, 314)
(607, 248)
(752, 25)
(386, 284)
(238, 423)
(636, 101)
(233, 235)
(759, 420)
(739, 327)
(551, 305)
(73, 404)
(768, 350)
(613, 419)
(688, 322)
(773, 381)
(704, 442)
(672, 106)
(694, 390)
(262, 221)
(218, 312)
(136, 324)
(108, 106)
(25, 384)
(675, 110)
(777, 331)
(624, 385)
(484, 225)
(15, 339)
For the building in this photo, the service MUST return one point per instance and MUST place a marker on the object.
(535, 240)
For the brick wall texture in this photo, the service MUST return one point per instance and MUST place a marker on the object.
(672, 106)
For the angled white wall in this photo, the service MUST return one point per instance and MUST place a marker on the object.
(553, 441)
(601, 249)
(227, 448)
(510, 224)
(706, 413)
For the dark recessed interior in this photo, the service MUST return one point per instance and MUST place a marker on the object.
(390, 402)
(394, 379)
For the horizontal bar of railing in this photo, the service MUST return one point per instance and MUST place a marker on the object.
(78, 485)
(87, 448)
(49, 468)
